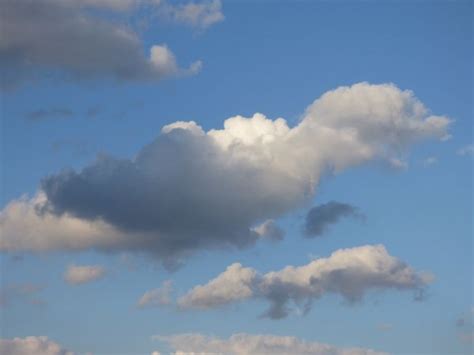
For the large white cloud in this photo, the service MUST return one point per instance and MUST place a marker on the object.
(349, 273)
(190, 189)
(62, 36)
(249, 344)
(38, 345)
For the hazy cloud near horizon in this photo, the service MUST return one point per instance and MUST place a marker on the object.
(246, 344)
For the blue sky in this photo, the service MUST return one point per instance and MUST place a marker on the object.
(271, 57)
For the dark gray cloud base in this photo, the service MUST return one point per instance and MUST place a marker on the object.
(320, 218)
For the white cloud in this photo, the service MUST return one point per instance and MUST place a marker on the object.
(39, 345)
(248, 344)
(467, 150)
(157, 297)
(220, 185)
(349, 273)
(81, 274)
(197, 15)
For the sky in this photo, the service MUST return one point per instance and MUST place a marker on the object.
(236, 177)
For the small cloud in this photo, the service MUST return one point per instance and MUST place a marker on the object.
(446, 138)
(398, 164)
(430, 161)
(269, 230)
(94, 111)
(196, 15)
(319, 218)
(465, 325)
(25, 292)
(51, 113)
(158, 297)
(77, 275)
(384, 327)
(467, 150)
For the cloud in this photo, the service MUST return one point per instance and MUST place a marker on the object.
(384, 327)
(61, 37)
(430, 161)
(319, 218)
(242, 343)
(197, 15)
(190, 190)
(77, 275)
(44, 114)
(269, 230)
(467, 150)
(32, 345)
(157, 297)
(465, 325)
(349, 273)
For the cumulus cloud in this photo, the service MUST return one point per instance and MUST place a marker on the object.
(190, 189)
(349, 273)
(40, 345)
(246, 344)
(319, 218)
(197, 15)
(62, 37)
(81, 274)
(158, 297)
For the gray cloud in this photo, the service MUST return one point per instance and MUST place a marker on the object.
(349, 273)
(319, 218)
(190, 190)
(61, 37)
(45, 114)
(247, 344)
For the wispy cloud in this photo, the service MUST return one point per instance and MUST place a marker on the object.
(50, 113)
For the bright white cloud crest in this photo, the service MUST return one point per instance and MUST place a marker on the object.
(253, 170)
